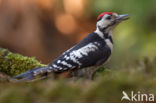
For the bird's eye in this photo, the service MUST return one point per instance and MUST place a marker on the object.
(108, 17)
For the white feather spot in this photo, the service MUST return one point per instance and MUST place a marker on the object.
(109, 43)
(97, 43)
(55, 66)
(58, 61)
(66, 64)
(50, 67)
(66, 57)
(73, 58)
(58, 67)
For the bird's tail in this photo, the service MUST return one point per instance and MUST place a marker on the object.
(32, 74)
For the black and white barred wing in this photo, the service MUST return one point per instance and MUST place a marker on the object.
(85, 56)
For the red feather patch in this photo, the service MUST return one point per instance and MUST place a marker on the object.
(104, 14)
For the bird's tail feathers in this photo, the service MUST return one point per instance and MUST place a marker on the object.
(32, 74)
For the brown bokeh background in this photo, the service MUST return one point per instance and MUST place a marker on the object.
(43, 28)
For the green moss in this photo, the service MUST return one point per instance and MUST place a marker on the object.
(13, 64)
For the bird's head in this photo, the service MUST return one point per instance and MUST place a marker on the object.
(108, 20)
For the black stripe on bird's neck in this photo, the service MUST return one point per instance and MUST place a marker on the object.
(107, 36)
(106, 33)
(102, 29)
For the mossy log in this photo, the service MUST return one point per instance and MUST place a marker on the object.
(13, 64)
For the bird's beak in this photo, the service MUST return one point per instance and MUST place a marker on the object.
(122, 17)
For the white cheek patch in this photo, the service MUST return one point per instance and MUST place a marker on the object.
(103, 22)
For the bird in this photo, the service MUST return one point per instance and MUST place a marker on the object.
(84, 58)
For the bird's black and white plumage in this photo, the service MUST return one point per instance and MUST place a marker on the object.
(90, 51)
(93, 50)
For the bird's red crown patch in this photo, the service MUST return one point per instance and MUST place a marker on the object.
(104, 14)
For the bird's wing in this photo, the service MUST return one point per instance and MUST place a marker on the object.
(85, 56)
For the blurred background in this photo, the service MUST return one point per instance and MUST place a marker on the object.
(46, 28)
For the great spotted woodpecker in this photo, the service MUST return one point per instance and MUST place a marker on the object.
(85, 57)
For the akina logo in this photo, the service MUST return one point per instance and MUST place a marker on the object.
(141, 97)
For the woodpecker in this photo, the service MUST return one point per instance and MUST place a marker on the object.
(83, 59)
